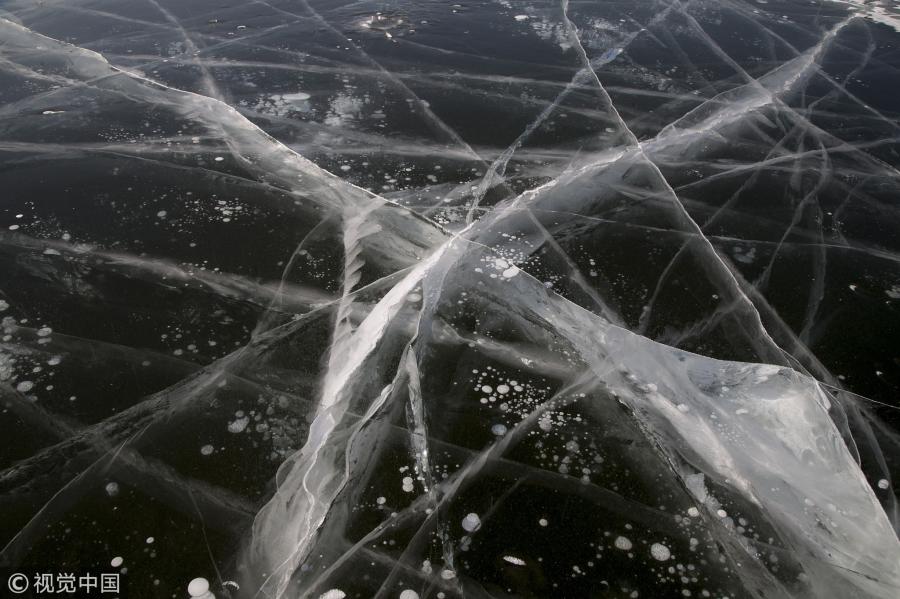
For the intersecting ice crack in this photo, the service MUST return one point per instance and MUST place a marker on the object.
(470, 323)
(728, 277)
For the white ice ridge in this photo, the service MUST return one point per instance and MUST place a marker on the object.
(762, 431)
(309, 481)
(719, 416)
(403, 236)
(765, 431)
(885, 12)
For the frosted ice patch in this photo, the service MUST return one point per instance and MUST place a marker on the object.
(610, 55)
(697, 486)
(116, 562)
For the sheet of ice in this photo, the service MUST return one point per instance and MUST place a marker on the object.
(431, 300)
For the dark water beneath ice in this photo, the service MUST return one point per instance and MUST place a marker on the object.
(490, 299)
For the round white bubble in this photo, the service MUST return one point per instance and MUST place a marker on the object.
(660, 552)
(198, 587)
(471, 522)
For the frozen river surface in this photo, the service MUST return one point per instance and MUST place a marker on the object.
(413, 299)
